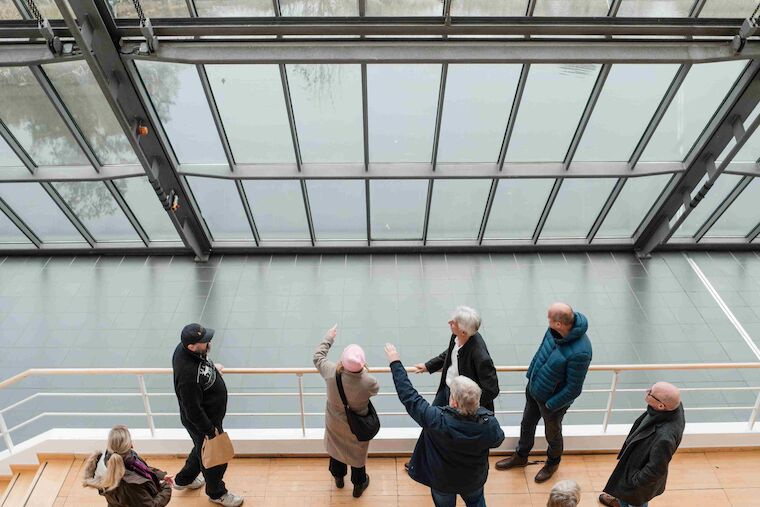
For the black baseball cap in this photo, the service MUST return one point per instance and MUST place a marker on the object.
(195, 333)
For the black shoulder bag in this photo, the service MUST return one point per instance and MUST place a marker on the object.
(364, 427)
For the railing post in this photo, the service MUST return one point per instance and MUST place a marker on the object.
(300, 399)
(752, 417)
(6, 435)
(146, 404)
(610, 401)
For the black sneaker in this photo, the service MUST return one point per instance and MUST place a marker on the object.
(358, 490)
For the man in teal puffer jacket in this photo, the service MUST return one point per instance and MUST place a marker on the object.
(555, 379)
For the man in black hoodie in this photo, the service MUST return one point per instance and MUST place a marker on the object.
(202, 396)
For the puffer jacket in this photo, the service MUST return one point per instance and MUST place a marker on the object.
(557, 371)
(134, 490)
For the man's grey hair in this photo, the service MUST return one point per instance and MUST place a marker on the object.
(564, 494)
(467, 395)
(467, 318)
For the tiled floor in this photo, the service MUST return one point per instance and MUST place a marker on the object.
(272, 311)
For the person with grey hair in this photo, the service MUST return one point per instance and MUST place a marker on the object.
(564, 494)
(451, 455)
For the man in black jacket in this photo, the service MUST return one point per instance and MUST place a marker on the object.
(451, 455)
(202, 396)
(642, 468)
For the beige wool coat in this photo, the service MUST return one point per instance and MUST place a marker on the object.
(340, 443)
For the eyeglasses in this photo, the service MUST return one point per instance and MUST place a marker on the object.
(649, 393)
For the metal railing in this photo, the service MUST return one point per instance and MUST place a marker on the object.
(150, 415)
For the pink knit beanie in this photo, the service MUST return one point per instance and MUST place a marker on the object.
(353, 359)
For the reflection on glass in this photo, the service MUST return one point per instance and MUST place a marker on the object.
(456, 211)
(576, 207)
(742, 216)
(719, 191)
(8, 10)
(551, 107)
(176, 92)
(80, 92)
(221, 208)
(9, 233)
(319, 7)
(252, 107)
(697, 99)
(489, 7)
(398, 208)
(588, 8)
(327, 105)
(153, 8)
(631, 92)
(402, 106)
(404, 8)
(277, 207)
(655, 8)
(338, 209)
(95, 207)
(632, 204)
(750, 152)
(475, 111)
(517, 206)
(37, 210)
(233, 8)
(728, 9)
(31, 118)
(7, 157)
(142, 200)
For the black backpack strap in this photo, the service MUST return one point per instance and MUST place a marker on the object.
(341, 391)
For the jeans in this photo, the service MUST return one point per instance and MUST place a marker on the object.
(623, 504)
(339, 469)
(474, 499)
(193, 466)
(533, 412)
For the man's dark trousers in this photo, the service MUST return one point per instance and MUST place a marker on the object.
(533, 412)
(193, 466)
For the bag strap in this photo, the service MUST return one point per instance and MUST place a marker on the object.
(341, 391)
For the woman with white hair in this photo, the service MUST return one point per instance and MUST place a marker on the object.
(564, 494)
(359, 386)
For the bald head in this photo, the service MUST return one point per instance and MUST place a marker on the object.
(663, 396)
(561, 318)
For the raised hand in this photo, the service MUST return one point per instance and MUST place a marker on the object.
(332, 332)
(392, 353)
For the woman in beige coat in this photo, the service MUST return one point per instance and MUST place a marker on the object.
(341, 444)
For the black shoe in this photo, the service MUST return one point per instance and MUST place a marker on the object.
(406, 467)
(358, 490)
(511, 462)
(339, 482)
(546, 472)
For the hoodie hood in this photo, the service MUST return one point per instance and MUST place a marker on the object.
(580, 326)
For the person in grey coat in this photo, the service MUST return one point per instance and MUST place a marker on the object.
(341, 444)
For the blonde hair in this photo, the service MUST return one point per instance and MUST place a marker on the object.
(119, 445)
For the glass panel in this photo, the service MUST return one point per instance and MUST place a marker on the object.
(9, 233)
(576, 207)
(633, 202)
(696, 101)
(221, 207)
(232, 8)
(31, 118)
(489, 7)
(517, 206)
(338, 209)
(93, 204)
(178, 97)
(80, 92)
(719, 191)
(7, 157)
(750, 152)
(742, 216)
(632, 92)
(594, 8)
(398, 208)
(402, 106)
(153, 8)
(327, 105)
(48, 9)
(457, 208)
(655, 8)
(252, 107)
(34, 206)
(728, 9)
(475, 111)
(552, 104)
(142, 200)
(277, 207)
(8, 10)
(404, 8)
(319, 7)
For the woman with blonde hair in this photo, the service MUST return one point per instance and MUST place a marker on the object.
(358, 386)
(123, 478)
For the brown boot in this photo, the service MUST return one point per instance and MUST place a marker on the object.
(608, 500)
(511, 462)
(546, 472)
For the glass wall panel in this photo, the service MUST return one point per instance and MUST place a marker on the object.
(80, 92)
(31, 118)
(475, 111)
(9, 233)
(8, 10)
(221, 208)
(39, 212)
(517, 207)
(398, 208)
(96, 208)
(629, 98)
(327, 105)
(176, 92)
(632, 204)
(152, 9)
(338, 209)
(48, 9)
(655, 8)
(234, 8)
(319, 7)
(695, 103)
(252, 107)
(142, 200)
(277, 207)
(750, 152)
(456, 211)
(402, 106)
(489, 7)
(552, 104)
(719, 191)
(576, 207)
(7, 157)
(742, 216)
(728, 9)
(593, 8)
(404, 8)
